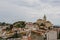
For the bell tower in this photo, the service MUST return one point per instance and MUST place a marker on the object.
(44, 18)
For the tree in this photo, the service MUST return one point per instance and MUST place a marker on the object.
(3, 24)
(59, 36)
(15, 35)
(11, 26)
(7, 29)
(20, 24)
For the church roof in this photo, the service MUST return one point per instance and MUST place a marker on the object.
(39, 19)
(48, 22)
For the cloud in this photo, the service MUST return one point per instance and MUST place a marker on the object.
(52, 2)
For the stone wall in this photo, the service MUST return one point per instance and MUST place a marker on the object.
(35, 36)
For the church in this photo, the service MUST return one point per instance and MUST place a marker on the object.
(40, 24)
(43, 23)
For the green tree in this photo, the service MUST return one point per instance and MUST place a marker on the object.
(3, 24)
(20, 24)
(11, 26)
(7, 29)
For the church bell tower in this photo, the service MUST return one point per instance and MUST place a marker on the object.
(44, 18)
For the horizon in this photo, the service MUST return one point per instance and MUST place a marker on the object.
(29, 10)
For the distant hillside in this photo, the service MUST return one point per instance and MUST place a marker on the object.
(56, 26)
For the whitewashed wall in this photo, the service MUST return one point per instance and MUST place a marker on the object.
(52, 35)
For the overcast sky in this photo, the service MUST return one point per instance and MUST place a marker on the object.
(29, 10)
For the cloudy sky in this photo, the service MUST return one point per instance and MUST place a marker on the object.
(29, 10)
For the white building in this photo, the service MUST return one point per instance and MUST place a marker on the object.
(52, 35)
